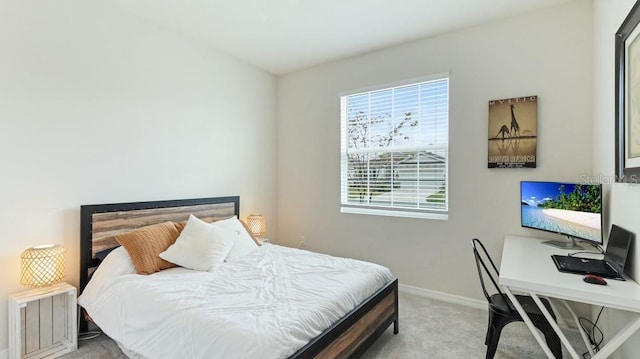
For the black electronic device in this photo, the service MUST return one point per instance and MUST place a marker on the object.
(615, 257)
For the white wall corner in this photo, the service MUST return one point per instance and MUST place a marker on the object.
(455, 299)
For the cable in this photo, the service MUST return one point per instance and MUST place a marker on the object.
(593, 333)
(596, 246)
(92, 334)
(88, 335)
(573, 254)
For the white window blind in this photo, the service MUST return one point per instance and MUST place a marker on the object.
(394, 149)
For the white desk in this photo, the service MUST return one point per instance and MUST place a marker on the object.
(527, 267)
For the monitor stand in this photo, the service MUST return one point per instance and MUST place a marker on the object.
(570, 244)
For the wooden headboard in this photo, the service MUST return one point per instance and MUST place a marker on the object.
(99, 223)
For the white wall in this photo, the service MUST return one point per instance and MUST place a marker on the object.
(97, 106)
(546, 53)
(624, 199)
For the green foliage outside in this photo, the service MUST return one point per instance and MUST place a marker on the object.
(583, 198)
(376, 188)
(438, 197)
(371, 176)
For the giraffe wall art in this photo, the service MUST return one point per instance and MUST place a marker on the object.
(513, 132)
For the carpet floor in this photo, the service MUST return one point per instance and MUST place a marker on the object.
(428, 329)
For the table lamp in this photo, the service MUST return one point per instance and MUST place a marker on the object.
(42, 265)
(257, 225)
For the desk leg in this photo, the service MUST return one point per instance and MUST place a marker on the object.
(618, 339)
(529, 323)
(585, 339)
(555, 326)
(613, 344)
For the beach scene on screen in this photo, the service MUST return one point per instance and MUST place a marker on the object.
(571, 209)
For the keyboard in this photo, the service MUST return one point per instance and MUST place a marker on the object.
(585, 265)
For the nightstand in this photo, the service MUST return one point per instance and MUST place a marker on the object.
(42, 322)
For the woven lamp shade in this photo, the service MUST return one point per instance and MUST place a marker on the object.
(42, 265)
(257, 224)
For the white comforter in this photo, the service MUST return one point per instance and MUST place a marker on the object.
(267, 304)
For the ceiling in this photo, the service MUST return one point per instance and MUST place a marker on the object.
(282, 36)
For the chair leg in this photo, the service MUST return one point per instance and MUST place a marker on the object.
(497, 323)
(553, 341)
(492, 346)
(554, 344)
(487, 338)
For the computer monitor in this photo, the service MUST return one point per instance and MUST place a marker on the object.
(570, 209)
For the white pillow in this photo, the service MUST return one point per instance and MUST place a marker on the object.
(116, 264)
(244, 244)
(200, 246)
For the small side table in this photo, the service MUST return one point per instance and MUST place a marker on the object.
(42, 322)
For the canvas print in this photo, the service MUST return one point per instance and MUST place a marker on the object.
(627, 102)
(633, 103)
(513, 132)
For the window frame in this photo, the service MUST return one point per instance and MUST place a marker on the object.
(438, 214)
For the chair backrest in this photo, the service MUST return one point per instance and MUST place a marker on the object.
(480, 253)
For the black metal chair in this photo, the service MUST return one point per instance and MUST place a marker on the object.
(502, 311)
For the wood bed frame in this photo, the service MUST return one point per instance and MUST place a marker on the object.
(349, 337)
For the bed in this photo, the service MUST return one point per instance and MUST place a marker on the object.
(362, 320)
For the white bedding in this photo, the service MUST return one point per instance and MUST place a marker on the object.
(267, 304)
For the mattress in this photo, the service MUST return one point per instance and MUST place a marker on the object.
(267, 304)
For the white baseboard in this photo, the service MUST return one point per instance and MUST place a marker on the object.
(455, 299)
(4, 353)
(469, 302)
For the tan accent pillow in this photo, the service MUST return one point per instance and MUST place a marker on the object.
(146, 243)
(180, 225)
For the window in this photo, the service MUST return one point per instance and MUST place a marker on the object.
(394, 150)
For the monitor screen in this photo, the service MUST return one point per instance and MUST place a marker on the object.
(570, 209)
